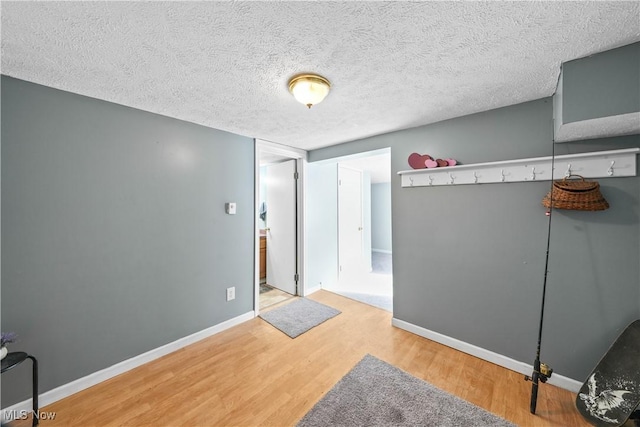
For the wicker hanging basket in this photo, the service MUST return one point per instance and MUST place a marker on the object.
(576, 194)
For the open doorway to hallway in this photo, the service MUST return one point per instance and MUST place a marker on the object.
(278, 223)
(350, 208)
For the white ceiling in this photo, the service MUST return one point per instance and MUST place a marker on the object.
(393, 65)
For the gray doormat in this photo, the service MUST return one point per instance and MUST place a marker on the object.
(375, 393)
(299, 316)
(384, 302)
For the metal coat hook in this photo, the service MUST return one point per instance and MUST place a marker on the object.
(503, 175)
(475, 177)
(411, 181)
(567, 174)
(533, 173)
(430, 180)
(610, 170)
(451, 178)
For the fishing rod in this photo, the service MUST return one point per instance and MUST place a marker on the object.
(541, 371)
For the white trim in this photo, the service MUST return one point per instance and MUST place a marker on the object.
(597, 164)
(262, 146)
(312, 290)
(302, 240)
(256, 244)
(66, 390)
(488, 355)
(359, 155)
(382, 251)
(282, 150)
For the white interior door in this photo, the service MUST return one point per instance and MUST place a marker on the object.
(281, 226)
(350, 224)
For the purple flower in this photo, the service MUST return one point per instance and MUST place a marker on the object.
(7, 338)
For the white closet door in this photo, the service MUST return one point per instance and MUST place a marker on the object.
(281, 226)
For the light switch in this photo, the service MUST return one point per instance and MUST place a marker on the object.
(230, 208)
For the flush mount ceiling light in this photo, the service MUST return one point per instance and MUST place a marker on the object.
(309, 89)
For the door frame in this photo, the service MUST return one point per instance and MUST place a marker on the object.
(271, 148)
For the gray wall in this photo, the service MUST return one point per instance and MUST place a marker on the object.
(381, 216)
(469, 260)
(115, 240)
(602, 248)
(601, 85)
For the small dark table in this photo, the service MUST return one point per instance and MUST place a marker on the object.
(12, 360)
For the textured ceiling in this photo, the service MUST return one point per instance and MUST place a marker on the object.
(393, 65)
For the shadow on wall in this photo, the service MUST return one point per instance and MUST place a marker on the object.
(616, 197)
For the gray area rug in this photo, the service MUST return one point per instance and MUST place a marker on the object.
(299, 316)
(381, 263)
(384, 302)
(375, 393)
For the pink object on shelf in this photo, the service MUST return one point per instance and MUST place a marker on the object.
(416, 161)
(451, 162)
(430, 163)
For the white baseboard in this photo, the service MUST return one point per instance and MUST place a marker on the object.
(312, 290)
(90, 380)
(382, 251)
(488, 355)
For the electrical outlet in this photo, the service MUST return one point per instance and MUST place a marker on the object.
(231, 293)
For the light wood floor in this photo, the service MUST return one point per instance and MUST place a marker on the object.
(272, 297)
(254, 375)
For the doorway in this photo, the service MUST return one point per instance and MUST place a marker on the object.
(279, 174)
(363, 254)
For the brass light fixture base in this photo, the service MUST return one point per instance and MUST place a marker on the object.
(309, 89)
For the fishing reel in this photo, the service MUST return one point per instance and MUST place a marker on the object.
(541, 373)
(544, 373)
